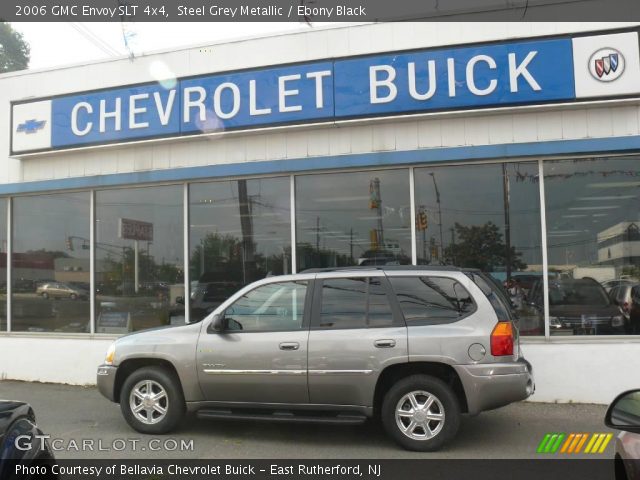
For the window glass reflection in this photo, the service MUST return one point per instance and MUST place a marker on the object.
(270, 308)
(240, 231)
(345, 219)
(593, 240)
(485, 217)
(139, 258)
(50, 263)
(431, 300)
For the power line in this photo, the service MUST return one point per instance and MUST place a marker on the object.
(95, 40)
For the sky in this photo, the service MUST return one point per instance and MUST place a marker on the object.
(64, 43)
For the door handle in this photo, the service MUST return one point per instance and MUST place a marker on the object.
(289, 346)
(386, 343)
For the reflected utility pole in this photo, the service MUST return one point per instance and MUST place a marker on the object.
(453, 245)
(507, 221)
(246, 224)
(435, 185)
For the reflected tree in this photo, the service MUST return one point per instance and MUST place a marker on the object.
(482, 247)
(227, 258)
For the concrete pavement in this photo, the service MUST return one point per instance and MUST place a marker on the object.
(80, 415)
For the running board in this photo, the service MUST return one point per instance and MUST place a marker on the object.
(340, 418)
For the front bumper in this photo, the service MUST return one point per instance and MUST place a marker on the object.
(494, 385)
(107, 380)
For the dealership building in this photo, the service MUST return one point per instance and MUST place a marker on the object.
(130, 185)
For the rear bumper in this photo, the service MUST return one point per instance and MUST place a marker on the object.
(489, 386)
(106, 379)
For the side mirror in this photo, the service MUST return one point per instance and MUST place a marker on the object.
(624, 412)
(218, 324)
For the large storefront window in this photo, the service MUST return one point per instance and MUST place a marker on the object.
(240, 231)
(485, 217)
(593, 240)
(50, 263)
(345, 219)
(139, 258)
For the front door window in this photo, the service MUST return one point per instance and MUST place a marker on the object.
(269, 308)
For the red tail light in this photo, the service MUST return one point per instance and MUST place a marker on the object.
(502, 339)
(625, 306)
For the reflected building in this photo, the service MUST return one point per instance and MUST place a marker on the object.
(619, 246)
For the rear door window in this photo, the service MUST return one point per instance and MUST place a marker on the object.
(354, 303)
(431, 300)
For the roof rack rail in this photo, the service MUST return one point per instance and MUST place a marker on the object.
(383, 267)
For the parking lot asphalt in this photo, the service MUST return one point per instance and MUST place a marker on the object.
(85, 425)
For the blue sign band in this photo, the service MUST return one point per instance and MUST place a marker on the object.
(454, 78)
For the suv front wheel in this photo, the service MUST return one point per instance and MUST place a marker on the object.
(421, 413)
(151, 400)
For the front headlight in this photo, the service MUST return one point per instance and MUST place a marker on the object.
(111, 353)
(617, 321)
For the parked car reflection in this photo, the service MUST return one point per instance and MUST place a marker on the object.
(578, 307)
(62, 290)
(627, 298)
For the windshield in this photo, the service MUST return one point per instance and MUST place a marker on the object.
(577, 293)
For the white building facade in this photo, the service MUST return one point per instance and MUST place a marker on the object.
(132, 185)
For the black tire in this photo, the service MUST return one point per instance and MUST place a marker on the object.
(45, 295)
(445, 401)
(73, 296)
(175, 405)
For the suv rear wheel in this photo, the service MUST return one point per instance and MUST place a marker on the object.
(151, 400)
(421, 413)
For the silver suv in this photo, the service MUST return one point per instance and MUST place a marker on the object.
(414, 346)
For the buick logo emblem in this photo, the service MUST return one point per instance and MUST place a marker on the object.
(606, 65)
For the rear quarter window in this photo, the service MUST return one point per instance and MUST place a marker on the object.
(432, 300)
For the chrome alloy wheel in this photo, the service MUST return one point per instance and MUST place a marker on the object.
(420, 415)
(149, 402)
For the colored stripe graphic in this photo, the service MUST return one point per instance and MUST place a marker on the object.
(551, 442)
(573, 443)
(582, 442)
(543, 443)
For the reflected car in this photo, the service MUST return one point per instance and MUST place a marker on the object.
(609, 284)
(20, 440)
(579, 307)
(209, 294)
(62, 290)
(623, 296)
(624, 414)
(634, 311)
(382, 257)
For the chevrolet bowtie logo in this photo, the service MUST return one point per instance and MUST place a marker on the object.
(31, 126)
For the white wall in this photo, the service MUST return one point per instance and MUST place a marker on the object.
(51, 359)
(577, 372)
(583, 372)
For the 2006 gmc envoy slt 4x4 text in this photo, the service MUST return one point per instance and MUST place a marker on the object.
(415, 346)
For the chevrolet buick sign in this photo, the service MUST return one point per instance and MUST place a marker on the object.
(472, 77)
